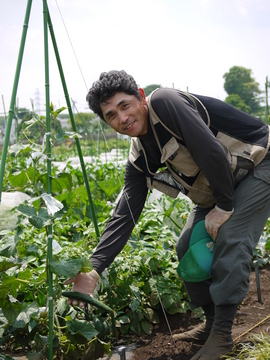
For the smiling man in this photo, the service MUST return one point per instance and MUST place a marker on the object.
(126, 114)
(214, 154)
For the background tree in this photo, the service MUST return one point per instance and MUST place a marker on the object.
(83, 122)
(238, 81)
(236, 101)
(149, 88)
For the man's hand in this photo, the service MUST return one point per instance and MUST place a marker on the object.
(84, 283)
(214, 219)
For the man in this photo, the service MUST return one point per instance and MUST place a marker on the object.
(214, 154)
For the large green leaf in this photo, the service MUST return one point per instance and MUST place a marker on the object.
(42, 219)
(25, 315)
(20, 148)
(108, 187)
(18, 180)
(27, 210)
(11, 308)
(67, 268)
(6, 263)
(82, 327)
(147, 327)
(61, 182)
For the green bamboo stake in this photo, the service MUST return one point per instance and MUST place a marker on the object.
(13, 96)
(73, 125)
(48, 149)
(266, 98)
(3, 101)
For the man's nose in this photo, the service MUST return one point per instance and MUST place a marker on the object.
(123, 117)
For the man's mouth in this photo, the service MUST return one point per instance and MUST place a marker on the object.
(130, 125)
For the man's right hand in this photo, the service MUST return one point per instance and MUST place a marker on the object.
(84, 283)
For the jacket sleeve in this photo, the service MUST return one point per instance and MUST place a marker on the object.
(181, 116)
(125, 215)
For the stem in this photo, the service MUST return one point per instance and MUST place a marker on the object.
(175, 223)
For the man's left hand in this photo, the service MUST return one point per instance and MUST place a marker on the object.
(214, 219)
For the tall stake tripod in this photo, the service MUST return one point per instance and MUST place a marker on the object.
(47, 24)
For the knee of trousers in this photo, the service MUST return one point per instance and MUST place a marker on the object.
(230, 271)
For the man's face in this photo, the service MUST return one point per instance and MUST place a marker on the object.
(126, 114)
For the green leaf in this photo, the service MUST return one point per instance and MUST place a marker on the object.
(67, 268)
(42, 219)
(124, 319)
(27, 210)
(8, 249)
(6, 264)
(147, 327)
(61, 182)
(154, 264)
(61, 305)
(151, 315)
(19, 148)
(18, 180)
(108, 187)
(31, 122)
(135, 303)
(3, 323)
(11, 308)
(82, 327)
(56, 112)
(25, 315)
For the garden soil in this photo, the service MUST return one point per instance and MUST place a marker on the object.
(252, 318)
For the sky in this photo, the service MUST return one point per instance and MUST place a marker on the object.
(186, 44)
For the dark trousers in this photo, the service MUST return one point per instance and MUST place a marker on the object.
(235, 242)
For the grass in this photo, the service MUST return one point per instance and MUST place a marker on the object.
(257, 349)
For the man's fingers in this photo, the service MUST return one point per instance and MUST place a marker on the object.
(69, 281)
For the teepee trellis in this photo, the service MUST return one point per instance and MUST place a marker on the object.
(47, 24)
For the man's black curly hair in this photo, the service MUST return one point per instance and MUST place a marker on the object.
(108, 84)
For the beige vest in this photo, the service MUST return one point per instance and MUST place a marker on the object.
(177, 158)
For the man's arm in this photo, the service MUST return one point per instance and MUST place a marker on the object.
(124, 218)
(117, 231)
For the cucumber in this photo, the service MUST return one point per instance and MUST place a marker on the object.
(87, 299)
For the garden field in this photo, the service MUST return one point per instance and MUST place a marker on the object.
(50, 234)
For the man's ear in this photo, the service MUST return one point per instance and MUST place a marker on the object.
(142, 93)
